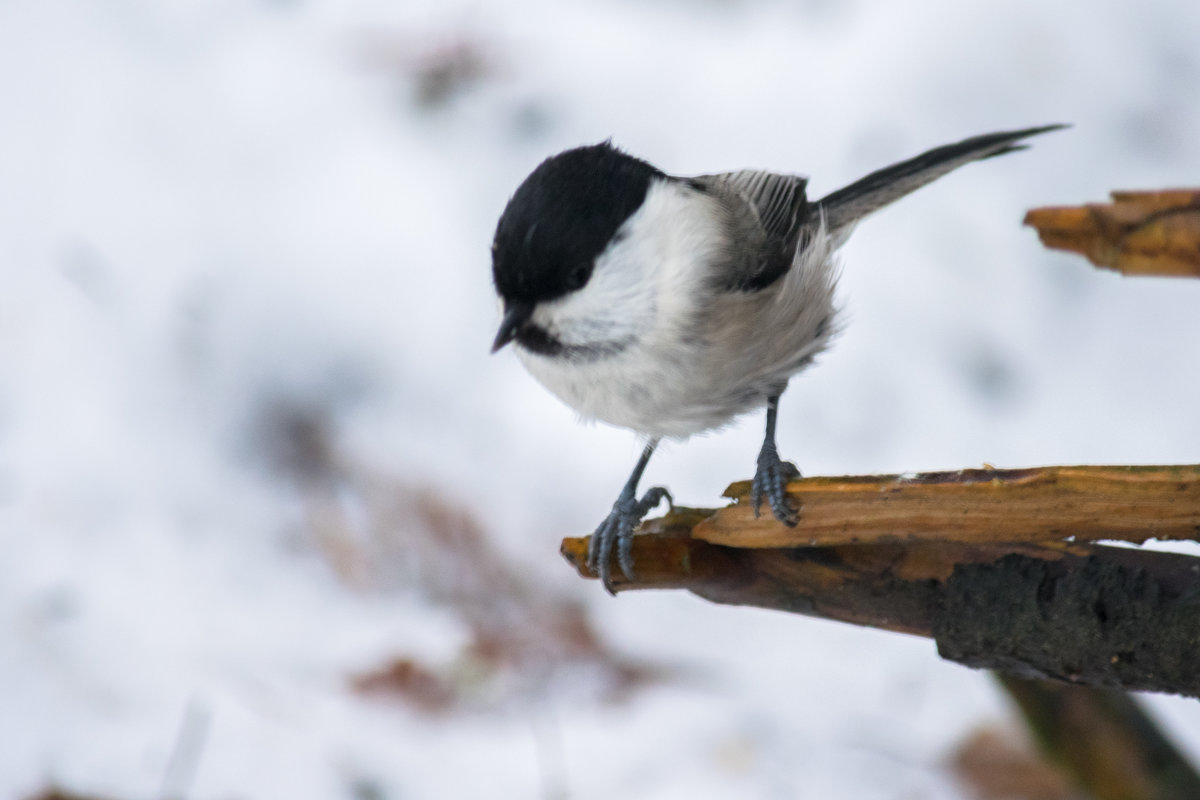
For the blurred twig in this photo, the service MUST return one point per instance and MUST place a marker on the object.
(189, 746)
(1104, 740)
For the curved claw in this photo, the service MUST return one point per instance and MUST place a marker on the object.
(617, 528)
(770, 480)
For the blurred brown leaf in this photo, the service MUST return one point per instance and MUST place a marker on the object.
(380, 534)
(523, 635)
(407, 680)
(439, 66)
(994, 765)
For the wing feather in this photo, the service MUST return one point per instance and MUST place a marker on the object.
(778, 205)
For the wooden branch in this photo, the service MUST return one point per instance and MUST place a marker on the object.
(974, 506)
(891, 586)
(960, 565)
(1140, 233)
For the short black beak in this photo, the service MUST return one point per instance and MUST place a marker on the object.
(515, 315)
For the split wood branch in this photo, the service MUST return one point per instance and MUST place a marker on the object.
(994, 565)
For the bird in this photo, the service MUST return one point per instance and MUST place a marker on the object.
(673, 305)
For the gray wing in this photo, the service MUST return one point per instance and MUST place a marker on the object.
(769, 211)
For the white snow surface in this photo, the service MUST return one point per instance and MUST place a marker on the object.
(209, 210)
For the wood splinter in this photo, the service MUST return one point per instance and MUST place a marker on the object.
(1139, 233)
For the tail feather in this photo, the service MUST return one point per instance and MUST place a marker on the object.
(848, 205)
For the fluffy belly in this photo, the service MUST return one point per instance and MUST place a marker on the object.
(674, 398)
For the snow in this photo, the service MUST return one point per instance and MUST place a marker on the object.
(226, 221)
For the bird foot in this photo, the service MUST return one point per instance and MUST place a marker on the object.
(617, 528)
(770, 481)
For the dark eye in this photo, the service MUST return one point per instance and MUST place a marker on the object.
(577, 277)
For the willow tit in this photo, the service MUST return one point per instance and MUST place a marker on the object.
(672, 305)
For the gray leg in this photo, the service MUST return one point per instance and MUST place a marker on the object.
(772, 475)
(618, 526)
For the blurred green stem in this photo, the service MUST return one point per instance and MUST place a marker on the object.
(1104, 740)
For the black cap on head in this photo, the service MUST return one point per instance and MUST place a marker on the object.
(562, 217)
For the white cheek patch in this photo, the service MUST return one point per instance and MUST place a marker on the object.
(646, 275)
(615, 304)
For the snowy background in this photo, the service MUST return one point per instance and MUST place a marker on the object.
(274, 524)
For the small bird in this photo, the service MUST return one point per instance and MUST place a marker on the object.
(672, 305)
